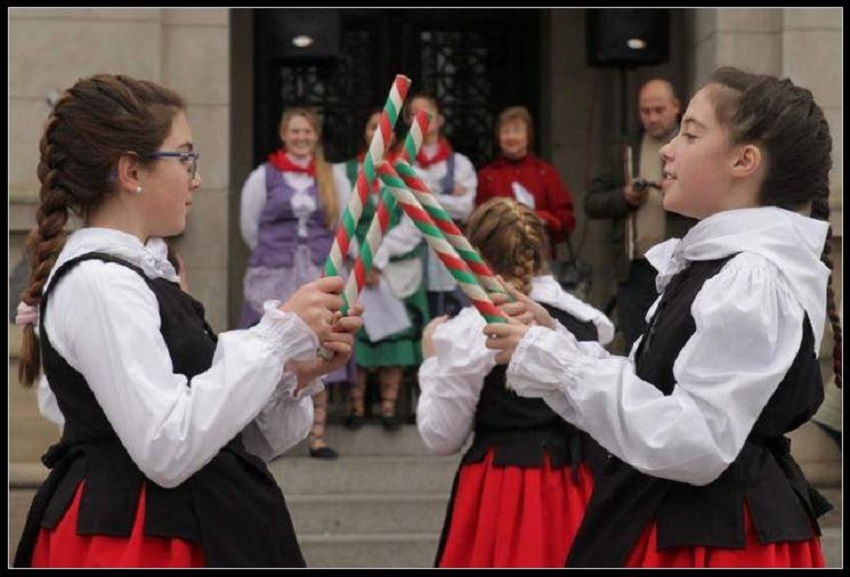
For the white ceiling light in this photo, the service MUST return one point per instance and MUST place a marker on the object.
(302, 41)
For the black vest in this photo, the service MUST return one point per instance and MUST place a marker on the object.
(782, 504)
(521, 430)
(232, 506)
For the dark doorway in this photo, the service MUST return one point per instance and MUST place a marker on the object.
(476, 62)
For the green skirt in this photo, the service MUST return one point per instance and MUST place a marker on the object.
(401, 349)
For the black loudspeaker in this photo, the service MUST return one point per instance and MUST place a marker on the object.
(626, 37)
(303, 34)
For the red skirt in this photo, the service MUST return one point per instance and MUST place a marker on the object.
(515, 517)
(62, 547)
(754, 554)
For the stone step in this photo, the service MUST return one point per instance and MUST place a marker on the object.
(362, 514)
(383, 475)
(370, 440)
(397, 550)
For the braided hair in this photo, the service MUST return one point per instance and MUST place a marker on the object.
(511, 238)
(94, 123)
(787, 123)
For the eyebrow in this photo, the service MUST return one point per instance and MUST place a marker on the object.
(697, 123)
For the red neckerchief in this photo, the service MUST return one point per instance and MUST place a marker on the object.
(281, 161)
(444, 150)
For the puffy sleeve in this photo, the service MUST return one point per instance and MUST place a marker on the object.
(748, 332)
(104, 321)
(253, 202)
(460, 206)
(451, 382)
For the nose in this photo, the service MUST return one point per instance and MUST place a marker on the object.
(664, 151)
(196, 181)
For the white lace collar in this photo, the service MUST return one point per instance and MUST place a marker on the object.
(150, 257)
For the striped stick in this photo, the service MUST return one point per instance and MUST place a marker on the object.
(366, 175)
(465, 278)
(386, 207)
(444, 222)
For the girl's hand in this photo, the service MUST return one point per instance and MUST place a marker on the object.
(339, 342)
(523, 309)
(428, 335)
(504, 337)
(317, 303)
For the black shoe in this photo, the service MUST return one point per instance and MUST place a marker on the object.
(323, 453)
(353, 421)
(391, 422)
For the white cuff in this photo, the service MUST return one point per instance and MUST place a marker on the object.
(545, 360)
(286, 332)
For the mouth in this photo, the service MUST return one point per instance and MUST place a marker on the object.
(667, 178)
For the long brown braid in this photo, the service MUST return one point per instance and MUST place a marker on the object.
(510, 238)
(786, 122)
(92, 125)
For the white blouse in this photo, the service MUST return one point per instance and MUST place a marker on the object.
(399, 240)
(459, 206)
(254, 196)
(104, 321)
(451, 380)
(749, 320)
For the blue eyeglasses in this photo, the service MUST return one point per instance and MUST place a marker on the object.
(184, 157)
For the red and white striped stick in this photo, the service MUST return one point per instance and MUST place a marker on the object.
(456, 266)
(383, 213)
(366, 175)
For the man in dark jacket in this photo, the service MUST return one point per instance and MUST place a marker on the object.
(627, 191)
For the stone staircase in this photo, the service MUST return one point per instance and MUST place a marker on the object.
(382, 503)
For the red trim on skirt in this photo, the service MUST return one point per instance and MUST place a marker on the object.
(62, 547)
(515, 517)
(754, 554)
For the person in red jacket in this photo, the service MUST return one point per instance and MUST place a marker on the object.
(519, 174)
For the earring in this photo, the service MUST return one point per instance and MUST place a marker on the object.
(139, 189)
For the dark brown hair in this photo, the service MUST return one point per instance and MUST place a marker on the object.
(92, 125)
(790, 128)
(511, 239)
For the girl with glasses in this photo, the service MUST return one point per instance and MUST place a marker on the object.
(167, 426)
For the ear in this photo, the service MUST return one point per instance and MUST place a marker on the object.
(128, 172)
(746, 161)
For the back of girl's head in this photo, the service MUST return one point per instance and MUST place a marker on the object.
(784, 121)
(510, 238)
(90, 127)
